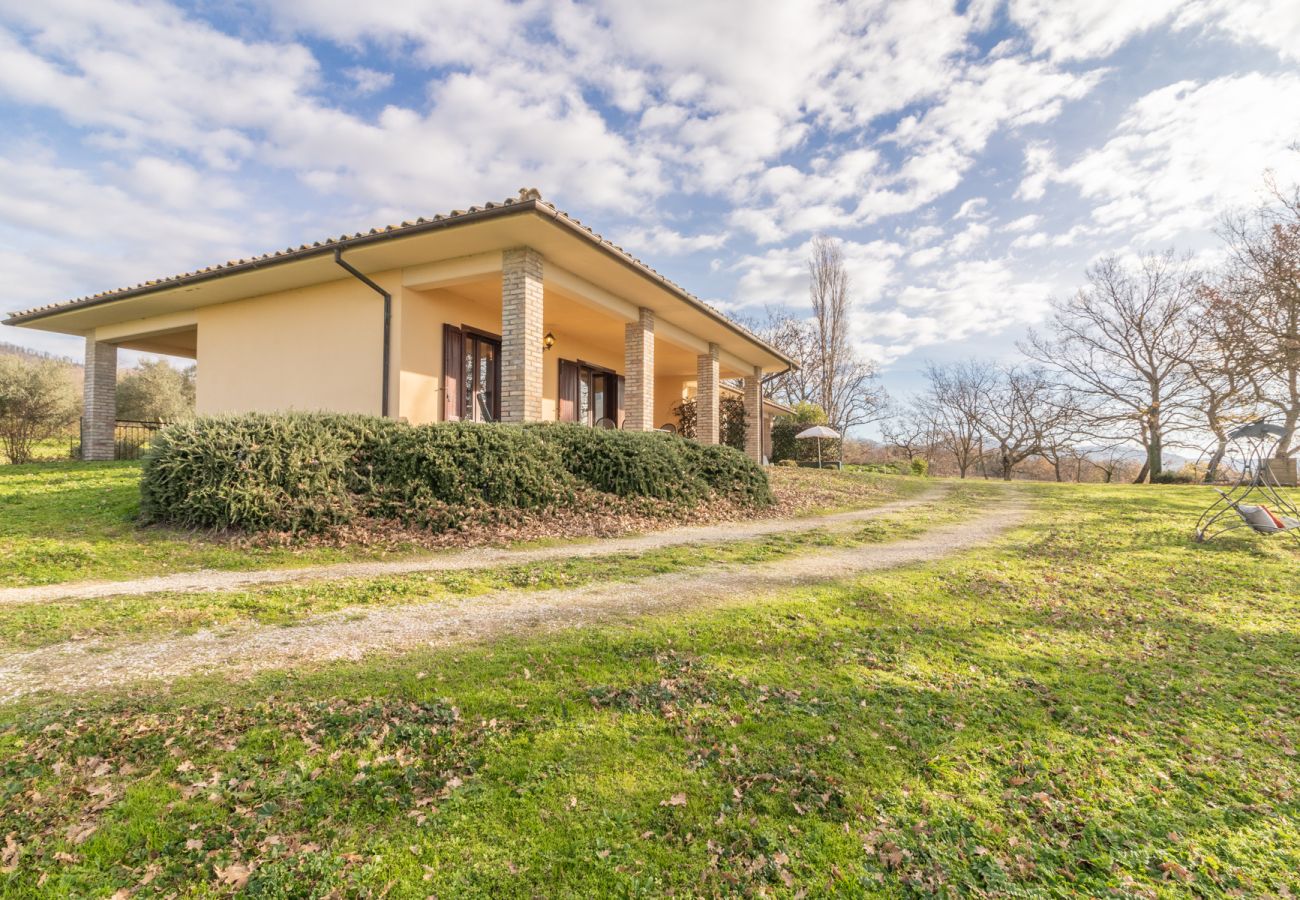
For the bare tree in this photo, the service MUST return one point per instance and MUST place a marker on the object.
(1121, 343)
(831, 372)
(911, 432)
(1219, 365)
(952, 401)
(1262, 286)
(1018, 404)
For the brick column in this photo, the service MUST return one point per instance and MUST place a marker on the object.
(639, 373)
(754, 415)
(99, 417)
(521, 335)
(708, 417)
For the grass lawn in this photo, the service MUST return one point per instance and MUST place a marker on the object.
(136, 617)
(75, 521)
(1093, 706)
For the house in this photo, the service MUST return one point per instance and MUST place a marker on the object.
(511, 312)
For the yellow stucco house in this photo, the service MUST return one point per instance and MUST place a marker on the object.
(511, 312)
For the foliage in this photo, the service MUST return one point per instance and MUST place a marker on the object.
(307, 473)
(919, 466)
(37, 401)
(155, 391)
(255, 472)
(784, 429)
(437, 476)
(1093, 707)
(661, 466)
(1182, 476)
(731, 427)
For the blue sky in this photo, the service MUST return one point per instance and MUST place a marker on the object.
(973, 158)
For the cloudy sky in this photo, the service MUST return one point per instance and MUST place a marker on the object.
(972, 159)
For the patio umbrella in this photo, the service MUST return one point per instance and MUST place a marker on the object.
(818, 432)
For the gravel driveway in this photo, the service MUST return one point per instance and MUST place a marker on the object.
(347, 635)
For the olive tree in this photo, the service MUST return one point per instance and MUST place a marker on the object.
(37, 401)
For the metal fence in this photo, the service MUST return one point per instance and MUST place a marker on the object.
(130, 438)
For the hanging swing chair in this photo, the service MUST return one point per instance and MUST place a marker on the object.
(1256, 500)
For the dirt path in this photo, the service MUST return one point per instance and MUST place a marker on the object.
(81, 666)
(208, 580)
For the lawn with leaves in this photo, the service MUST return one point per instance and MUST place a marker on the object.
(76, 521)
(1093, 706)
(34, 624)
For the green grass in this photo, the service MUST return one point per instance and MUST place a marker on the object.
(133, 617)
(74, 521)
(1094, 706)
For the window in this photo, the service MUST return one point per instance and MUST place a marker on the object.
(471, 371)
(589, 393)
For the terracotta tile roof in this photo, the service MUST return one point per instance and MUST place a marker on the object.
(527, 198)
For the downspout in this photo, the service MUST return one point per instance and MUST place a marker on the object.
(388, 320)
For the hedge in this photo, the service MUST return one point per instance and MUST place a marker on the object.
(657, 465)
(310, 472)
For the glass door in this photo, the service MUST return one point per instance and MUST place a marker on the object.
(482, 377)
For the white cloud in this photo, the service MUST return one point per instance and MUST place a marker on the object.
(368, 81)
(1185, 153)
(1083, 30)
(669, 242)
(964, 302)
(1269, 23)
(1024, 223)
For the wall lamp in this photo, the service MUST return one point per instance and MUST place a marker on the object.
(549, 341)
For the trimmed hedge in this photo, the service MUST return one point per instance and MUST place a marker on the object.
(656, 465)
(256, 472)
(310, 472)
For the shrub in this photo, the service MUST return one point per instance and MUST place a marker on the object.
(731, 419)
(308, 472)
(791, 463)
(1180, 477)
(919, 466)
(257, 472)
(655, 465)
(784, 444)
(436, 476)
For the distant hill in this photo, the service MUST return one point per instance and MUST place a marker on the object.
(7, 349)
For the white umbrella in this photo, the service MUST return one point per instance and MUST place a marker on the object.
(819, 432)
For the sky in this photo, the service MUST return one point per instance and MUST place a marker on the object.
(973, 159)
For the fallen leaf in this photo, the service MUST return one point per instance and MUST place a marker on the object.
(674, 800)
(236, 875)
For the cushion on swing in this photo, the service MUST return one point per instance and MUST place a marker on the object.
(1259, 518)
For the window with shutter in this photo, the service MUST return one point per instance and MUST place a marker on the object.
(568, 391)
(453, 357)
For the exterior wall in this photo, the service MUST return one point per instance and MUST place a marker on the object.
(423, 315)
(668, 393)
(315, 348)
(607, 356)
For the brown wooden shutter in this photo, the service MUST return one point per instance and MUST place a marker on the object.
(568, 391)
(618, 402)
(453, 365)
